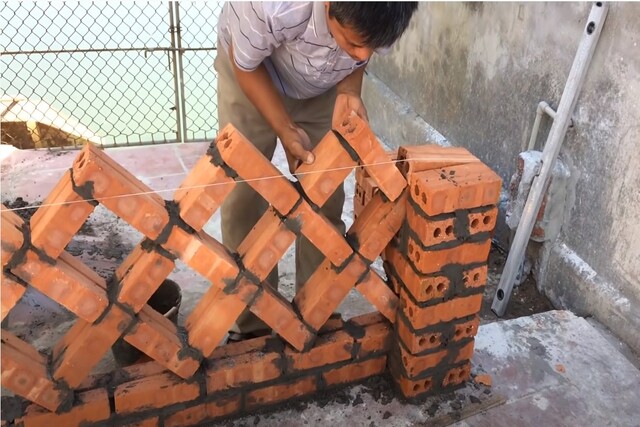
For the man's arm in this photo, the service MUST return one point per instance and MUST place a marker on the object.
(349, 98)
(259, 88)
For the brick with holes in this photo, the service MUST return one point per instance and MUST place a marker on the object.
(11, 234)
(376, 291)
(328, 349)
(452, 188)
(422, 317)
(417, 342)
(372, 156)
(59, 218)
(331, 167)
(112, 185)
(419, 366)
(24, 372)
(202, 192)
(427, 261)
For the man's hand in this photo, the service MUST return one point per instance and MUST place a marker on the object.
(345, 103)
(297, 147)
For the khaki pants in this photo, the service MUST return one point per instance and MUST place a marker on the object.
(243, 207)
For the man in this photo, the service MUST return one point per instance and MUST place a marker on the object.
(289, 71)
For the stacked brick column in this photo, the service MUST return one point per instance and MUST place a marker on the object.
(437, 265)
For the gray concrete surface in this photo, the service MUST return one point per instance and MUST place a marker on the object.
(476, 72)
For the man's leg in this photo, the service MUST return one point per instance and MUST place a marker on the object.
(314, 116)
(243, 207)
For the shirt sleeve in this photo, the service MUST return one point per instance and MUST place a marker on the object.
(257, 29)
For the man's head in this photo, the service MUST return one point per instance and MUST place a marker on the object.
(361, 27)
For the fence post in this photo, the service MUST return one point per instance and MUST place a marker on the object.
(174, 66)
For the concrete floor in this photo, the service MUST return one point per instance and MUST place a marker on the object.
(550, 368)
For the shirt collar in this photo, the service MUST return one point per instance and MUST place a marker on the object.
(319, 18)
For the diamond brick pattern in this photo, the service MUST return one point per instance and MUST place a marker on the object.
(434, 255)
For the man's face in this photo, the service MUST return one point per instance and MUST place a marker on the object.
(348, 40)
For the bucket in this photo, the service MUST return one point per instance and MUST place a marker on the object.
(166, 301)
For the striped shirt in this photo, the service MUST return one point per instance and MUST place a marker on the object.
(292, 39)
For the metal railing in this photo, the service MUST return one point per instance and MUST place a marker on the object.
(109, 72)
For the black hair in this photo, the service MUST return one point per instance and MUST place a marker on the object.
(380, 24)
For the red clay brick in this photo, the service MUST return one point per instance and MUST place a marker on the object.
(377, 339)
(422, 288)
(202, 192)
(466, 329)
(92, 407)
(418, 158)
(377, 224)
(157, 336)
(12, 237)
(84, 296)
(240, 347)
(265, 244)
(483, 221)
(376, 291)
(443, 312)
(355, 371)
(279, 393)
(204, 254)
(251, 165)
(417, 343)
(331, 167)
(204, 412)
(11, 293)
(59, 218)
(24, 372)
(458, 187)
(212, 318)
(359, 201)
(431, 232)
(140, 275)
(417, 365)
(411, 388)
(326, 289)
(279, 315)
(125, 374)
(328, 349)
(361, 173)
(120, 191)
(84, 344)
(368, 319)
(154, 392)
(372, 155)
(457, 376)
(475, 277)
(321, 233)
(432, 261)
(249, 368)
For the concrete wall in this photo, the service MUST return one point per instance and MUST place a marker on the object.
(475, 73)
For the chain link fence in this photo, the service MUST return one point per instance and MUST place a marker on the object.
(108, 72)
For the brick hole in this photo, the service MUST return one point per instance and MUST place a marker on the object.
(432, 339)
(461, 374)
(410, 249)
(416, 387)
(459, 332)
(450, 377)
(422, 341)
(416, 190)
(449, 230)
(474, 223)
(424, 198)
(417, 256)
(465, 279)
(476, 277)
(405, 360)
(469, 329)
(346, 122)
(486, 220)
(429, 289)
(427, 384)
(437, 232)
(411, 311)
(81, 159)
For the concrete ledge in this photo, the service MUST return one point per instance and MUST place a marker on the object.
(393, 120)
(571, 283)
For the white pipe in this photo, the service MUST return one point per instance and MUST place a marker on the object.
(588, 43)
(543, 107)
